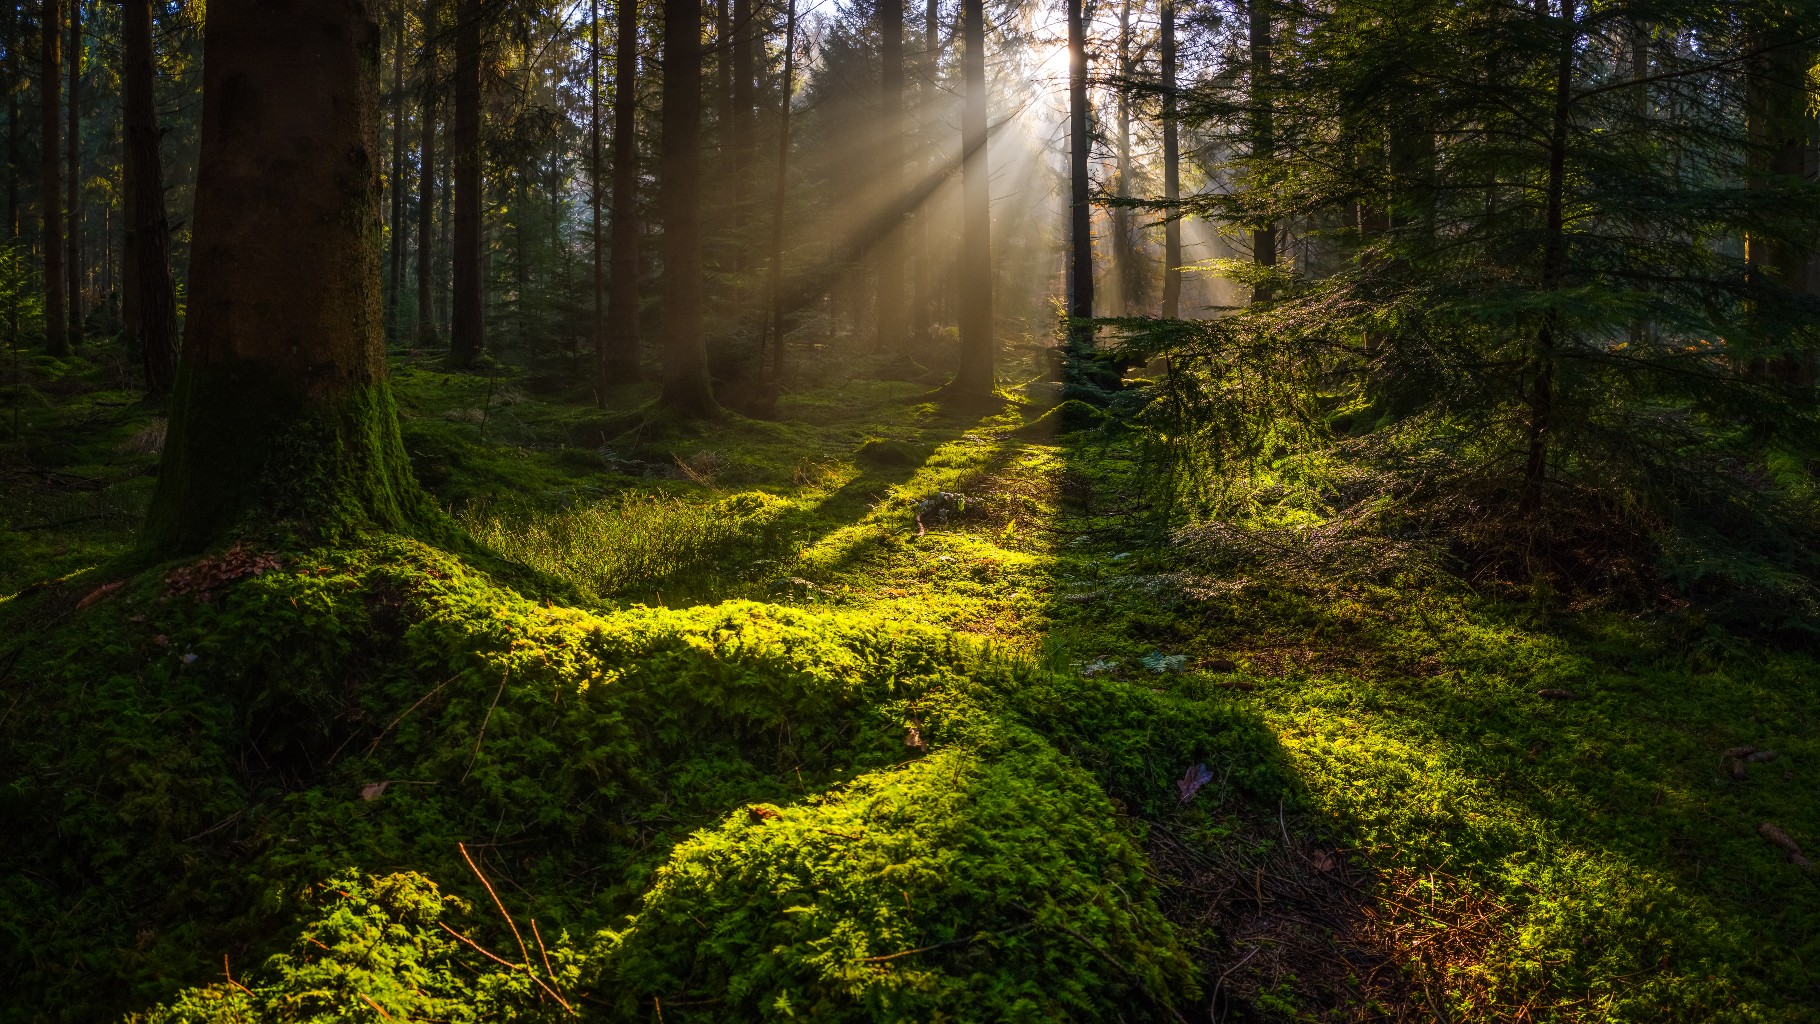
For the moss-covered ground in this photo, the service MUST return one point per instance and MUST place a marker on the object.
(873, 711)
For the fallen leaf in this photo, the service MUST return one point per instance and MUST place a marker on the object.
(1737, 769)
(1323, 861)
(1761, 755)
(761, 813)
(913, 737)
(1553, 694)
(1191, 782)
(1740, 752)
(372, 790)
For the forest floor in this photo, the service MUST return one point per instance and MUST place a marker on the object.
(1473, 807)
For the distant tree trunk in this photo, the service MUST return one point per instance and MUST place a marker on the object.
(597, 289)
(73, 163)
(15, 32)
(745, 97)
(1263, 130)
(427, 334)
(922, 303)
(622, 300)
(686, 387)
(1541, 391)
(974, 378)
(50, 193)
(468, 319)
(151, 304)
(777, 198)
(1780, 130)
(893, 336)
(1172, 170)
(282, 410)
(1124, 260)
(395, 182)
(1080, 200)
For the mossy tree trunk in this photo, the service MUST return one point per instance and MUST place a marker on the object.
(151, 304)
(282, 412)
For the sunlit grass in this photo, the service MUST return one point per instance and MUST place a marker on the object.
(631, 544)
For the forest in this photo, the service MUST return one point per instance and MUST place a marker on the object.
(970, 511)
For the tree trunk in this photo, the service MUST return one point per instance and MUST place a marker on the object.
(686, 387)
(395, 182)
(50, 192)
(922, 304)
(73, 164)
(974, 379)
(1779, 126)
(151, 304)
(15, 31)
(1080, 207)
(1124, 260)
(893, 336)
(777, 199)
(597, 287)
(282, 410)
(427, 334)
(622, 301)
(1263, 131)
(1172, 170)
(468, 321)
(1541, 396)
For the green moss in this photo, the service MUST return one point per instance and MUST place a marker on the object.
(249, 447)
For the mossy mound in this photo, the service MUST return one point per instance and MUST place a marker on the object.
(192, 750)
(1066, 417)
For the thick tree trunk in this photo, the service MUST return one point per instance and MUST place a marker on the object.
(15, 32)
(1080, 204)
(1780, 130)
(1263, 131)
(686, 387)
(745, 97)
(395, 182)
(893, 321)
(777, 197)
(282, 411)
(427, 333)
(1172, 170)
(974, 379)
(50, 192)
(922, 303)
(468, 322)
(151, 305)
(73, 166)
(622, 300)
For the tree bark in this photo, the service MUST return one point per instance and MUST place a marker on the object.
(686, 387)
(427, 333)
(1172, 169)
(15, 32)
(777, 199)
(1080, 208)
(282, 411)
(1263, 131)
(468, 321)
(1541, 390)
(50, 192)
(1780, 128)
(974, 378)
(597, 282)
(73, 167)
(1124, 255)
(395, 181)
(151, 303)
(893, 335)
(622, 301)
